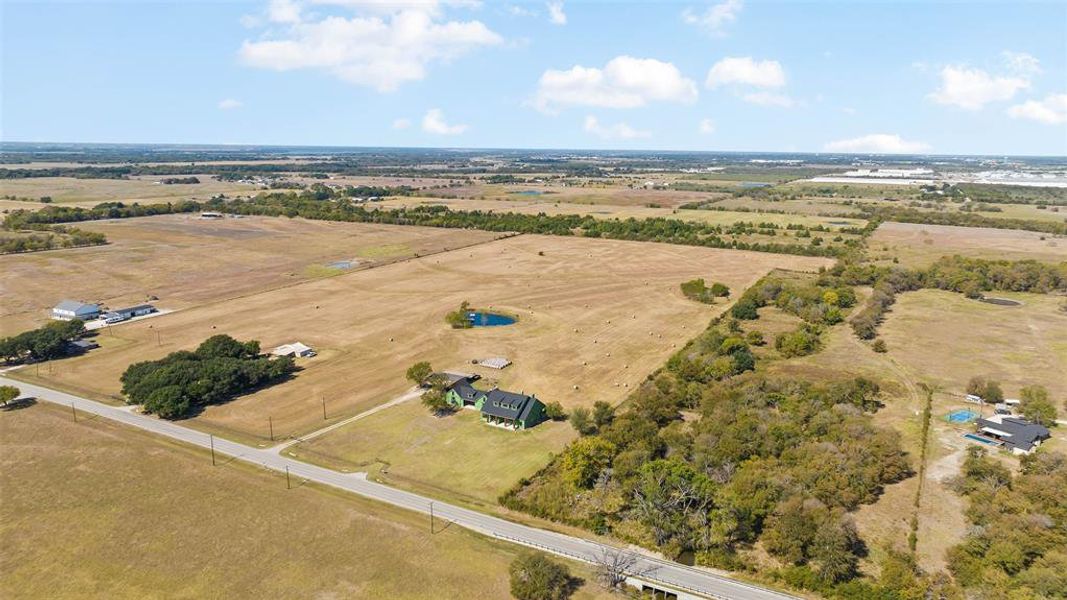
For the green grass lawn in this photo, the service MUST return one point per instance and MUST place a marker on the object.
(455, 457)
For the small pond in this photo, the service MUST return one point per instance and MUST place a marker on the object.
(488, 319)
(528, 193)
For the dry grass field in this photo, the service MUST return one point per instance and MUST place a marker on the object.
(95, 510)
(595, 317)
(455, 457)
(138, 188)
(548, 206)
(917, 245)
(187, 261)
(613, 195)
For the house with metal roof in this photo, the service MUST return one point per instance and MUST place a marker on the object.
(125, 314)
(508, 409)
(69, 310)
(498, 407)
(1014, 433)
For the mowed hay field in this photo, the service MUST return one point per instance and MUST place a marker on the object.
(185, 261)
(456, 457)
(145, 189)
(595, 317)
(96, 510)
(918, 245)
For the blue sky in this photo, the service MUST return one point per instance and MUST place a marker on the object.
(939, 77)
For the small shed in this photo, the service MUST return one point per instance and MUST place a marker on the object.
(498, 362)
(295, 349)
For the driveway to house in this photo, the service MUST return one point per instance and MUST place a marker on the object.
(647, 568)
(408, 395)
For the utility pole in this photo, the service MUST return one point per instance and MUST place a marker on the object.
(288, 485)
(212, 439)
(270, 421)
(431, 517)
(73, 412)
(324, 408)
(159, 340)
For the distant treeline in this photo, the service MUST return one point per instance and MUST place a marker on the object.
(50, 238)
(968, 276)
(180, 180)
(322, 205)
(963, 219)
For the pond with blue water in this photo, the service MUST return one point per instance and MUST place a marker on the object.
(488, 319)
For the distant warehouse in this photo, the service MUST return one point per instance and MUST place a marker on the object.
(68, 310)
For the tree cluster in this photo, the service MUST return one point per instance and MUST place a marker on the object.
(43, 343)
(218, 370)
(1017, 544)
(776, 461)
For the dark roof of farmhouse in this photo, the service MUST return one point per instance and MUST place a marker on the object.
(508, 405)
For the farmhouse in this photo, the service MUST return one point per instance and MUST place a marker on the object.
(72, 309)
(1015, 434)
(295, 349)
(498, 407)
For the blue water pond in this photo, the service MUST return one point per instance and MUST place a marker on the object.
(488, 319)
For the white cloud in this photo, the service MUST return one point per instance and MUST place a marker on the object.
(745, 71)
(556, 14)
(519, 11)
(1021, 63)
(716, 17)
(1051, 111)
(283, 11)
(401, 123)
(971, 89)
(769, 99)
(616, 131)
(230, 104)
(624, 82)
(877, 143)
(383, 46)
(707, 126)
(434, 122)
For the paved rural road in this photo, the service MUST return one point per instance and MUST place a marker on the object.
(653, 569)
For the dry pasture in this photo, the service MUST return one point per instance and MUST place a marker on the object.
(918, 245)
(145, 189)
(188, 261)
(548, 206)
(595, 317)
(96, 510)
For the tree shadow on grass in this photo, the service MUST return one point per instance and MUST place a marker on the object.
(19, 404)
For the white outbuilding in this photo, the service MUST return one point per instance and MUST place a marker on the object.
(68, 310)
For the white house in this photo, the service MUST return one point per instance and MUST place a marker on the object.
(72, 309)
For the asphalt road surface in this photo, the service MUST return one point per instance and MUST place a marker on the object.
(697, 581)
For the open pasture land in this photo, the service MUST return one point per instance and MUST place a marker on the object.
(96, 510)
(186, 261)
(144, 189)
(595, 317)
(549, 206)
(916, 245)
